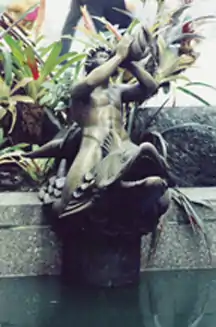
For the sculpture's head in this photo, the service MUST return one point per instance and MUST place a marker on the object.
(97, 57)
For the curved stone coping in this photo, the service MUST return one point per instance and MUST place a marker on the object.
(19, 198)
(200, 193)
(32, 248)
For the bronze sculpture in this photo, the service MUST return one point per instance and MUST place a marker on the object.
(106, 157)
(115, 190)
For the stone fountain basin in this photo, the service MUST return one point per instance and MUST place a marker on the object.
(29, 247)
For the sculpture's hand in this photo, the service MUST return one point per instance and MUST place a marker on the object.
(123, 47)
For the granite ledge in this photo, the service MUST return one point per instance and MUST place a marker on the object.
(34, 250)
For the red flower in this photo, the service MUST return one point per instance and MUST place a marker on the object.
(32, 63)
(34, 68)
(187, 28)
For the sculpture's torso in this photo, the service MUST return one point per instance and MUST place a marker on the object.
(102, 109)
(99, 115)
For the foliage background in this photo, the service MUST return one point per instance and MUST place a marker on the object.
(57, 10)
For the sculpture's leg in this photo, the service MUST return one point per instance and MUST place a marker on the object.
(48, 150)
(127, 162)
(89, 154)
(60, 146)
(133, 161)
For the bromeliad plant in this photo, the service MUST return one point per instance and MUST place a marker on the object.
(175, 37)
(21, 61)
(24, 63)
(33, 170)
(25, 72)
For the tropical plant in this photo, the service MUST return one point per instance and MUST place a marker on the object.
(9, 99)
(24, 63)
(23, 71)
(35, 169)
(22, 60)
(175, 35)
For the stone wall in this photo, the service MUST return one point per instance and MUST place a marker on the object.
(29, 247)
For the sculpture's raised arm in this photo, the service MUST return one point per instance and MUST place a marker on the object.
(106, 68)
(143, 89)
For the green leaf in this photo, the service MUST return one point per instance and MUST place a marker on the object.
(185, 37)
(51, 62)
(4, 90)
(43, 51)
(87, 44)
(48, 85)
(15, 49)
(161, 45)
(19, 72)
(66, 56)
(132, 25)
(22, 98)
(77, 71)
(200, 20)
(3, 112)
(1, 135)
(74, 60)
(21, 84)
(168, 64)
(13, 148)
(7, 61)
(175, 78)
(194, 95)
(201, 84)
(45, 100)
(39, 39)
(179, 11)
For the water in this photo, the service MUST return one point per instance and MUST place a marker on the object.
(163, 299)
